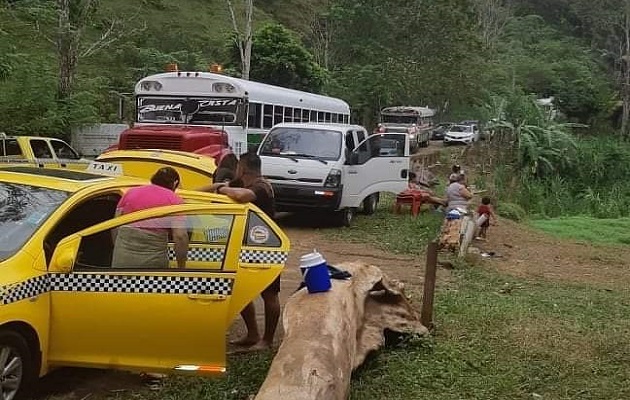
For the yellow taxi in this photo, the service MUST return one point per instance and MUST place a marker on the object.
(195, 170)
(65, 302)
(41, 151)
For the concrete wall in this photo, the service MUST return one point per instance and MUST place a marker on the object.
(92, 140)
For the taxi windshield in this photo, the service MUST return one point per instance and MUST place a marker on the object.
(23, 209)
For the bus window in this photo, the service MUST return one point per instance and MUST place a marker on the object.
(346, 119)
(297, 115)
(305, 115)
(268, 116)
(255, 115)
(278, 114)
(320, 116)
(313, 116)
(288, 114)
(335, 118)
(328, 117)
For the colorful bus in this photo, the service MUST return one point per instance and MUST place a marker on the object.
(244, 109)
(416, 121)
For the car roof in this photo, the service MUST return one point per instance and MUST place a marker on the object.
(57, 178)
(29, 137)
(317, 125)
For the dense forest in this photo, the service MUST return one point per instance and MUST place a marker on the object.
(69, 62)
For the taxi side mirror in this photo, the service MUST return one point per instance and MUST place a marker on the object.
(65, 255)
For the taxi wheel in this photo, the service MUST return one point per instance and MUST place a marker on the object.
(17, 372)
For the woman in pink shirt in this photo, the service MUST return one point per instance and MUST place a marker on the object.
(144, 244)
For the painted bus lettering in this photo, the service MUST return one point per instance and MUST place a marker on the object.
(159, 107)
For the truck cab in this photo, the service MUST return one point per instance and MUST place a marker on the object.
(204, 140)
(41, 151)
(333, 168)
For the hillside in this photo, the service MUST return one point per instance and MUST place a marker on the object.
(373, 53)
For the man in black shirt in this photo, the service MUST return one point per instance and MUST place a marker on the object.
(250, 187)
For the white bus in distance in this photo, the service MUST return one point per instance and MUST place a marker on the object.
(246, 110)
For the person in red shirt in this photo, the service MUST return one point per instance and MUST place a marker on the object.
(427, 195)
(485, 213)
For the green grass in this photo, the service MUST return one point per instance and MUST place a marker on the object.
(588, 229)
(398, 233)
(557, 341)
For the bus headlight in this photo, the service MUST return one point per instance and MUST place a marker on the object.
(333, 179)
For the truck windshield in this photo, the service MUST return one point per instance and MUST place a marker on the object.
(399, 119)
(189, 110)
(302, 143)
(23, 209)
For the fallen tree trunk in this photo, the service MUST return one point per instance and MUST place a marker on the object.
(328, 335)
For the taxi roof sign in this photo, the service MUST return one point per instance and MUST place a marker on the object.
(105, 168)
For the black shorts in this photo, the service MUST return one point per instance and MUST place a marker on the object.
(274, 287)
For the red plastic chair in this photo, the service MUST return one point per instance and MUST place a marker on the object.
(413, 199)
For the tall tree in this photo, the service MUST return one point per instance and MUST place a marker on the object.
(492, 16)
(279, 58)
(243, 36)
(608, 22)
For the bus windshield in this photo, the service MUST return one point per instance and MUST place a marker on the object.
(399, 119)
(302, 143)
(189, 110)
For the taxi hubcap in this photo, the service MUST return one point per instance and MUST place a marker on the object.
(10, 373)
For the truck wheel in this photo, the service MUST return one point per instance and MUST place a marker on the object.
(17, 370)
(345, 217)
(370, 204)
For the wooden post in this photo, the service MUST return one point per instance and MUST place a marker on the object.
(426, 317)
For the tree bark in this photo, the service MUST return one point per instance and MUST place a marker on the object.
(625, 68)
(244, 39)
(67, 41)
(328, 335)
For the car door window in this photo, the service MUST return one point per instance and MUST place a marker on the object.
(63, 150)
(40, 148)
(349, 142)
(83, 215)
(151, 243)
(10, 148)
(259, 233)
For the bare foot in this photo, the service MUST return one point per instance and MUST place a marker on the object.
(262, 345)
(245, 342)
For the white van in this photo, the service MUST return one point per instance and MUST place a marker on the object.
(333, 167)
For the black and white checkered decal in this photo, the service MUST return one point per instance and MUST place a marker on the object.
(263, 257)
(24, 290)
(115, 284)
(200, 254)
(246, 256)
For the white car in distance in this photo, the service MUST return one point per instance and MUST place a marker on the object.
(461, 134)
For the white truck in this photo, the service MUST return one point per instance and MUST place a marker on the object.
(335, 168)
